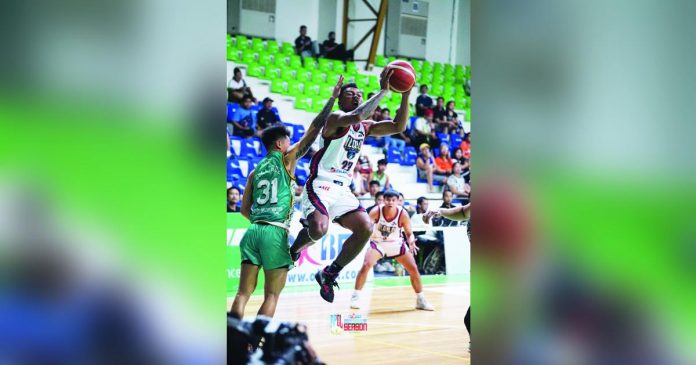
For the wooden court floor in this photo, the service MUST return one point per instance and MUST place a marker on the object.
(397, 332)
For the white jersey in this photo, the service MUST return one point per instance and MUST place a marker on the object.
(335, 161)
(387, 230)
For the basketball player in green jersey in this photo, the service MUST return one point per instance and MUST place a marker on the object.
(268, 204)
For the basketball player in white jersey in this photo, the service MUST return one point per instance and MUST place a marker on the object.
(387, 241)
(327, 196)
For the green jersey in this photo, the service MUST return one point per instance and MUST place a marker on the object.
(273, 196)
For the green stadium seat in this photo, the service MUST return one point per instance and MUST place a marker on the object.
(301, 102)
(373, 82)
(339, 67)
(380, 61)
(272, 72)
(278, 86)
(317, 105)
(311, 89)
(293, 88)
(288, 48)
(317, 76)
(325, 90)
(301, 75)
(232, 54)
(241, 42)
(295, 62)
(310, 63)
(248, 58)
(351, 67)
(391, 59)
(362, 80)
(257, 44)
(272, 47)
(468, 115)
(264, 59)
(254, 70)
(324, 66)
(287, 74)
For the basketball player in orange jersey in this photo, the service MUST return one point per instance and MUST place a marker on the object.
(327, 196)
(386, 241)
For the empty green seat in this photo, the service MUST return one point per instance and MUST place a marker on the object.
(339, 67)
(287, 74)
(310, 63)
(257, 44)
(325, 90)
(241, 41)
(264, 59)
(311, 89)
(295, 62)
(272, 72)
(380, 61)
(317, 104)
(362, 80)
(302, 102)
(317, 76)
(468, 115)
(232, 54)
(272, 47)
(293, 88)
(288, 48)
(248, 57)
(254, 70)
(278, 86)
(301, 75)
(351, 67)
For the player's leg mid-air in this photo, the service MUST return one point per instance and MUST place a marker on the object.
(387, 241)
(327, 196)
(268, 204)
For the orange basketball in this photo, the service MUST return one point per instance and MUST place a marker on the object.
(403, 78)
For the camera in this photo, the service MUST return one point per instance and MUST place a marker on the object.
(264, 341)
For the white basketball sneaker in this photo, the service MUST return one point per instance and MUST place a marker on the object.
(354, 300)
(422, 303)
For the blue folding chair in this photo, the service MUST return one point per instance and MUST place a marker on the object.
(393, 155)
(248, 150)
(410, 156)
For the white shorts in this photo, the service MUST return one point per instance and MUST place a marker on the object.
(389, 248)
(332, 200)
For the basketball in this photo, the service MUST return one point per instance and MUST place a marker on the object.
(403, 78)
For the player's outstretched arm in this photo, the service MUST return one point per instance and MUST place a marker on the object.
(398, 125)
(455, 214)
(299, 149)
(405, 222)
(341, 119)
(248, 196)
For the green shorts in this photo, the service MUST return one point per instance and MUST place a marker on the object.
(266, 245)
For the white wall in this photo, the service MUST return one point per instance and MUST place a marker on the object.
(291, 14)
(463, 42)
(448, 36)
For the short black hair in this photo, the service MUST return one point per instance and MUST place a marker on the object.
(387, 109)
(391, 194)
(440, 98)
(247, 96)
(303, 26)
(270, 135)
(382, 162)
(233, 188)
(332, 32)
(445, 192)
(375, 182)
(236, 69)
(379, 193)
(401, 195)
(423, 86)
(451, 101)
(421, 200)
(346, 86)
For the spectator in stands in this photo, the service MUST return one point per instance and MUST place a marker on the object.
(466, 146)
(398, 140)
(237, 88)
(424, 131)
(365, 168)
(426, 166)
(457, 184)
(451, 117)
(244, 119)
(265, 117)
(377, 114)
(422, 205)
(439, 114)
(335, 51)
(374, 188)
(385, 114)
(381, 174)
(446, 203)
(404, 204)
(379, 200)
(423, 101)
(443, 163)
(233, 200)
(459, 156)
(303, 44)
(358, 183)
